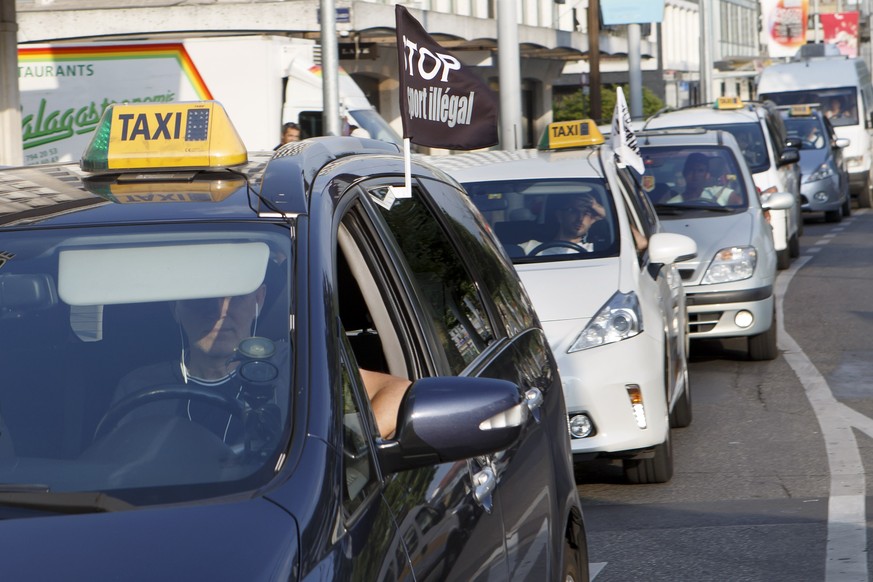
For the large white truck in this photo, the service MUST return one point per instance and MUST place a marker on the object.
(262, 81)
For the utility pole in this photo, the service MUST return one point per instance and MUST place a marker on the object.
(11, 149)
(635, 72)
(330, 69)
(594, 60)
(706, 51)
(509, 67)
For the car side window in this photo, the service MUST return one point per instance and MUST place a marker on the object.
(777, 132)
(640, 213)
(358, 469)
(457, 310)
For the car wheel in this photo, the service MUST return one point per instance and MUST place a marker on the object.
(783, 259)
(680, 416)
(658, 469)
(763, 346)
(574, 568)
(847, 206)
(834, 216)
(865, 196)
(794, 245)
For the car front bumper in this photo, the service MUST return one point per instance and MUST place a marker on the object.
(716, 314)
(821, 195)
(596, 383)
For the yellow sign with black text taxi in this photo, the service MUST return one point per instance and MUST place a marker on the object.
(162, 136)
(571, 134)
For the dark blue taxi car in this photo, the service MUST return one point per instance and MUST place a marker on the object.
(185, 330)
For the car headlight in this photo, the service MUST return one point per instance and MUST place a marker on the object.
(823, 171)
(854, 160)
(620, 318)
(731, 264)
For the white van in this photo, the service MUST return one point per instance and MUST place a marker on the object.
(842, 85)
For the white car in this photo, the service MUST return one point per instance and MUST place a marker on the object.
(610, 300)
(761, 135)
(730, 284)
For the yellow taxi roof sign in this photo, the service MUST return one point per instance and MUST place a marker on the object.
(729, 103)
(571, 134)
(800, 110)
(164, 136)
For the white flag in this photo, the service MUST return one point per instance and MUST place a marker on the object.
(623, 141)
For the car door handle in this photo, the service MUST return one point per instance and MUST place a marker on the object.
(533, 399)
(484, 482)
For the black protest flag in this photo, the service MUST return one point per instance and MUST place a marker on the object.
(442, 103)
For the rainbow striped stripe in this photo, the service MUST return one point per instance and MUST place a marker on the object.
(120, 52)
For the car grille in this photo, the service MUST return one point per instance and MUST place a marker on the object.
(703, 322)
(686, 274)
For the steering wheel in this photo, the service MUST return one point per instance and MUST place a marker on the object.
(170, 392)
(565, 244)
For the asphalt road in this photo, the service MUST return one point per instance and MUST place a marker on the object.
(772, 479)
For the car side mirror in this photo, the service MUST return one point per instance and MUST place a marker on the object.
(451, 418)
(842, 142)
(777, 201)
(666, 248)
(789, 156)
(794, 142)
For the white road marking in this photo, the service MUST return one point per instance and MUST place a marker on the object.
(594, 569)
(846, 557)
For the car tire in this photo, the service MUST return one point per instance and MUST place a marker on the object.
(865, 195)
(783, 259)
(833, 216)
(574, 568)
(794, 245)
(681, 415)
(763, 345)
(847, 206)
(658, 469)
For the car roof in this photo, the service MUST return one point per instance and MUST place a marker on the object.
(704, 115)
(522, 164)
(267, 185)
(684, 136)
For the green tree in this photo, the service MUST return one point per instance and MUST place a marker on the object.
(577, 106)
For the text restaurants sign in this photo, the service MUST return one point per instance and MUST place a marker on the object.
(442, 104)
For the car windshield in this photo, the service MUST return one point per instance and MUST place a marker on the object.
(151, 364)
(542, 220)
(839, 105)
(808, 129)
(681, 179)
(750, 138)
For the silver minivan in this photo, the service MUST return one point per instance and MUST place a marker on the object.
(761, 135)
(700, 186)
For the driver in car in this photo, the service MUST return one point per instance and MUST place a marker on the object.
(211, 331)
(705, 181)
(573, 218)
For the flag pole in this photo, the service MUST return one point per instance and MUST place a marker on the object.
(407, 165)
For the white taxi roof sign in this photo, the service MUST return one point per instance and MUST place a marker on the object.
(571, 134)
(164, 136)
(729, 103)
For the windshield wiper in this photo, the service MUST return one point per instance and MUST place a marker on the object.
(70, 502)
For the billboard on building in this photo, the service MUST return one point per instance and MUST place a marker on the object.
(616, 12)
(841, 29)
(784, 25)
